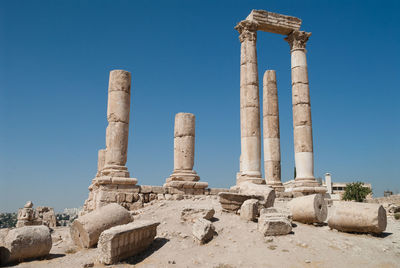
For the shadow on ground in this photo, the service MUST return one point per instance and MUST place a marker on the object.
(156, 245)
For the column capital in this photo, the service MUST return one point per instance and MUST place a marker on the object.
(247, 30)
(297, 39)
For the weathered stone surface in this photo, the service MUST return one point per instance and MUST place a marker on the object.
(85, 230)
(272, 149)
(232, 201)
(309, 209)
(274, 224)
(28, 204)
(249, 210)
(25, 243)
(123, 241)
(358, 217)
(250, 163)
(274, 22)
(203, 230)
(393, 208)
(263, 190)
(275, 212)
(47, 216)
(193, 213)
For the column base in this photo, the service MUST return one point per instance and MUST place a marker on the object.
(277, 186)
(307, 186)
(185, 179)
(240, 177)
(106, 189)
(114, 171)
(183, 175)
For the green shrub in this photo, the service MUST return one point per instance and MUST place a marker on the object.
(356, 191)
(397, 216)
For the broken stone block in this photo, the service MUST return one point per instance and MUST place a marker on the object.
(191, 214)
(263, 190)
(393, 209)
(232, 202)
(249, 210)
(123, 241)
(358, 217)
(25, 243)
(274, 224)
(85, 230)
(275, 212)
(203, 230)
(309, 209)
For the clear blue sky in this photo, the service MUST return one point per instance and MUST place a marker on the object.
(55, 58)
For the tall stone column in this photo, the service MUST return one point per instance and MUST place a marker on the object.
(303, 142)
(183, 175)
(272, 147)
(250, 168)
(119, 98)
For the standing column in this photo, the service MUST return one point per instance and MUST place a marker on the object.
(183, 176)
(303, 141)
(272, 148)
(250, 168)
(119, 97)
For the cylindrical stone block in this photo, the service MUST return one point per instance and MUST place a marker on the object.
(309, 209)
(358, 217)
(272, 151)
(85, 230)
(184, 141)
(25, 243)
(118, 108)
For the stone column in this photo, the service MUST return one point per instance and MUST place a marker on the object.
(184, 138)
(119, 97)
(250, 169)
(272, 148)
(303, 141)
(328, 183)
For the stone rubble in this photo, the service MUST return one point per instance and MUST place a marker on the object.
(249, 210)
(86, 229)
(123, 241)
(191, 214)
(203, 230)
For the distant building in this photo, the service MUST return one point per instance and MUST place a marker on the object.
(387, 193)
(336, 189)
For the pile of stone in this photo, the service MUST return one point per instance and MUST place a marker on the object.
(28, 216)
(200, 217)
(112, 230)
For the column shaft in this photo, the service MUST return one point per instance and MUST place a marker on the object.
(117, 132)
(249, 105)
(272, 150)
(302, 125)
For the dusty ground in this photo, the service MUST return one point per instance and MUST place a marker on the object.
(238, 244)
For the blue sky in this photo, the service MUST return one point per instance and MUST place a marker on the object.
(55, 58)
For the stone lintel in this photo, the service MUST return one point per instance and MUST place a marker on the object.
(274, 22)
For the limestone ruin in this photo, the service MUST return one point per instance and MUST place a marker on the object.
(250, 159)
(112, 216)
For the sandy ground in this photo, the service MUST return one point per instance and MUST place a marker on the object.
(238, 244)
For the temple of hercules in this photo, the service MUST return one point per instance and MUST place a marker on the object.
(250, 158)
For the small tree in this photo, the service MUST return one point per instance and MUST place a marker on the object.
(356, 191)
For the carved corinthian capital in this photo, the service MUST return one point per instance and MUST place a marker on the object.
(297, 39)
(247, 30)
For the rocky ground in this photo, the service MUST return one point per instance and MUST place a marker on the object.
(238, 244)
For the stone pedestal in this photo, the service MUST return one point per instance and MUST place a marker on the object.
(250, 159)
(183, 175)
(272, 148)
(303, 142)
(112, 183)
